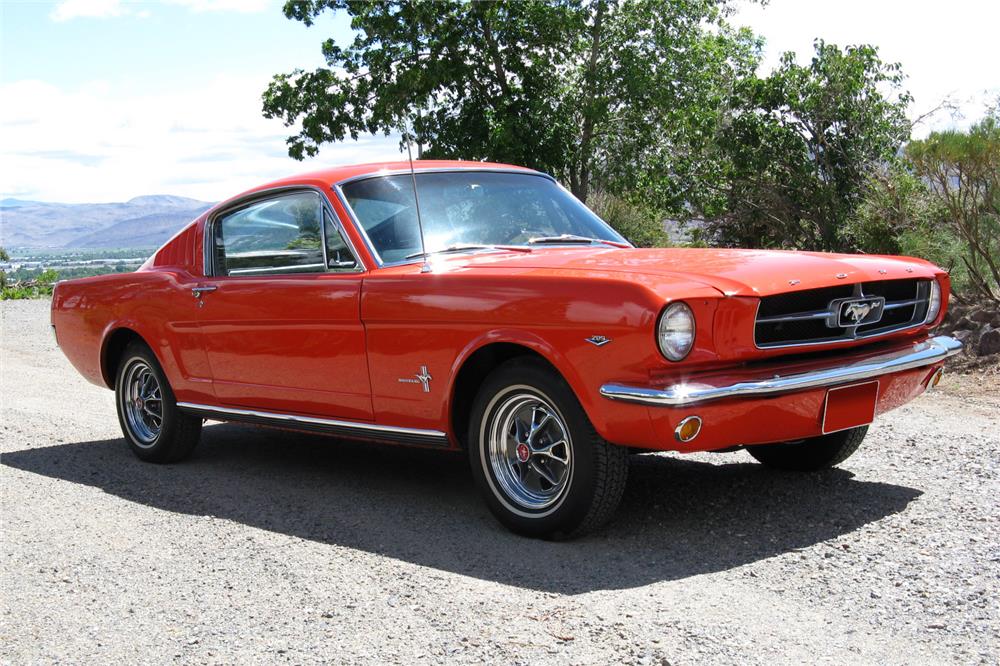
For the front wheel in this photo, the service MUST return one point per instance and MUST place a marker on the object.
(539, 464)
(155, 429)
(811, 454)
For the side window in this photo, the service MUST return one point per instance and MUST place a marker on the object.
(339, 257)
(271, 237)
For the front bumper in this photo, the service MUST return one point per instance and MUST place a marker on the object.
(699, 390)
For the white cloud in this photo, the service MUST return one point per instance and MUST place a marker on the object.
(71, 9)
(100, 142)
(946, 51)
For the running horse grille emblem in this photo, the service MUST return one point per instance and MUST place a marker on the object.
(854, 312)
(857, 312)
(424, 379)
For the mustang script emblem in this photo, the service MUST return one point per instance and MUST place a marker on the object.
(424, 379)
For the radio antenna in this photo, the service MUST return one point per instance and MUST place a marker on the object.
(426, 268)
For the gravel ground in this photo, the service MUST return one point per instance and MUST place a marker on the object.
(276, 547)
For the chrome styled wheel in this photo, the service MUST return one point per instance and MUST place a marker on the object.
(540, 465)
(142, 403)
(530, 451)
(154, 428)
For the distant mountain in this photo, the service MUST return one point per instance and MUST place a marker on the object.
(145, 221)
(15, 203)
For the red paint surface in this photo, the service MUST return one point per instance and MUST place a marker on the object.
(336, 345)
(850, 406)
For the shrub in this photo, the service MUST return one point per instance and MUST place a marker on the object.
(640, 224)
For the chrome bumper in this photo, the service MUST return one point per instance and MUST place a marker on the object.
(928, 352)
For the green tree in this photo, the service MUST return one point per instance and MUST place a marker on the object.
(897, 204)
(800, 146)
(641, 224)
(3, 274)
(606, 95)
(963, 173)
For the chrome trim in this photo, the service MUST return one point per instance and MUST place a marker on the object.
(927, 352)
(374, 430)
(694, 333)
(922, 287)
(892, 305)
(372, 252)
(405, 172)
(277, 270)
(208, 240)
(837, 311)
(816, 314)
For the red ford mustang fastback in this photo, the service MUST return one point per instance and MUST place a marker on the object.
(481, 307)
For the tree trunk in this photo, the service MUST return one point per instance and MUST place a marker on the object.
(582, 189)
(494, 51)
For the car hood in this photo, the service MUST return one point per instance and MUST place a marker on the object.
(732, 272)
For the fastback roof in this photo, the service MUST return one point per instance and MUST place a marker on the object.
(324, 178)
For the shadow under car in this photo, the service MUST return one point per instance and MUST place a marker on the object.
(678, 518)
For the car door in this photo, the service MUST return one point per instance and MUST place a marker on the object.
(280, 309)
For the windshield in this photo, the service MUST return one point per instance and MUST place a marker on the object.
(470, 208)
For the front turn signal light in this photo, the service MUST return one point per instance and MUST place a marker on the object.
(688, 429)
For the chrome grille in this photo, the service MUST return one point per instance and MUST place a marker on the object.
(844, 312)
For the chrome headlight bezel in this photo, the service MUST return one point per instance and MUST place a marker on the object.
(675, 331)
(933, 302)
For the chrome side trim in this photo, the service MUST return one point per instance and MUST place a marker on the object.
(329, 426)
(928, 352)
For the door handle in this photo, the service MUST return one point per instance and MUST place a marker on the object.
(198, 291)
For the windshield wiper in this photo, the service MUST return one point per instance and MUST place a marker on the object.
(465, 247)
(572, 238)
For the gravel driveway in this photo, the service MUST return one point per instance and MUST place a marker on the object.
(275, 547)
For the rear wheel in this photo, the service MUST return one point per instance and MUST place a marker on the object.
(540, 465)
(810, 454)
(155, 429)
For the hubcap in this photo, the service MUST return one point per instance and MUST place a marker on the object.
(529, 451)
(142, 402)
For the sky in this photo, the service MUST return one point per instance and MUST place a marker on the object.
(105, 100)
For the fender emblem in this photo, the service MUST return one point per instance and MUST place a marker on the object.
(598, 340)
(424, 379)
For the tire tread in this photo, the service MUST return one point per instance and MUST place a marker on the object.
(811, 454)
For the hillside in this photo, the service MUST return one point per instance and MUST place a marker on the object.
(145, 221)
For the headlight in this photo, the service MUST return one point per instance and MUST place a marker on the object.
(675, 332)
(934, 302)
